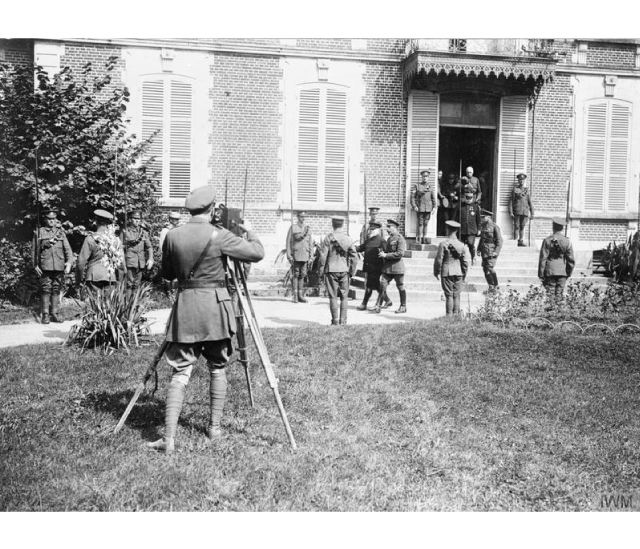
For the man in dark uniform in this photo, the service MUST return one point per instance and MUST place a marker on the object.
(372, 265)
(94, 267)
(138, 252)
(556, 261)
(520, 208)
(299, 250)
(393, 267)
(423, 201)
(468, 215)
(489, 248)
(449, 196)
(451, 265)
(471, 184)
(202, 320)
(52, 258)
(338, 262)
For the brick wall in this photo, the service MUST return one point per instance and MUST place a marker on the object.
(76, 56)
(17, 52)
(615, 55)
(245, 121)
(603, 230)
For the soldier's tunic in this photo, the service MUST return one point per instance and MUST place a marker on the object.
(520, 207)
(393, 266)
(90, 268)
(451, 266)
(556, 263)
(423, 201)
(202, 319)
(472, 185)
(138, 251)
(490, 244)
(55, 253)
(299, 248)
(468, 215)
(338, 261)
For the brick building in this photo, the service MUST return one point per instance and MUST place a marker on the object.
(317, 118)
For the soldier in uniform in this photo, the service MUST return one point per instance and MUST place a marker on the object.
(203, 318)
(338, 262)
(372, 265)
(489, 248)
(556, 261)
(52, 258)
(138, 252)
(423, 202)
(174, 221)
(299, 252)
(520, 208)
(366, 228)
(468, 215)
(449, 197)
(393, 267)
(451, 267)
(470, 183)
(93, 266)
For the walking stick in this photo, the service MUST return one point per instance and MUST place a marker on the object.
(115, 182)
(151, 370)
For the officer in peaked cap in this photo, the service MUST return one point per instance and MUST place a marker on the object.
(423, 201)
(203, 317)
(52, 258)
(338, 262)
(468, 215)
(90, 267)
(520, 208)
(373, 216)
(138, 251)
(489, 248)
(392, 253)
(372, 264)
(299, 248)
(556, 261)
(451, 266)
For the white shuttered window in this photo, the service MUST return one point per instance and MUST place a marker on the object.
(606, 161)
(321, 144)
(513, 144)
(167, 105)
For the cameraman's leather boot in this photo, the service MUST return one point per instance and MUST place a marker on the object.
(217, 396)
(175, 398)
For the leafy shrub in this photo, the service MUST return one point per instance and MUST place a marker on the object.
(112, 320)
(313, 278)
(18, 280)
(583, 301)
(622, 261)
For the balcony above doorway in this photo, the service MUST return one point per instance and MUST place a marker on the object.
(516, 58)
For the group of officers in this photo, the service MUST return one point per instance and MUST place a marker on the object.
(203, 319)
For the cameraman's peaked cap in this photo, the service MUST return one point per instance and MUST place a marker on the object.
(200, 198)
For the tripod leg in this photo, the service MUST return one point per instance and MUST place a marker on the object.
(242, 348)
(247, 310)
(151, 370)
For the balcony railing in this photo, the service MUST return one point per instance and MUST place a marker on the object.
(507, 47)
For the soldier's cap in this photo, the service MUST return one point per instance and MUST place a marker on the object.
(51, 215)
(174, 215)
(374, 209)
(301, 212)
(200, 198)
(425, 171)
(453, 224)
(375, 224)
(393, 222)
(337, 218)
(469, 193)
(135, 214)
(103, 214)
(559, 221)
(521, 176)
(451, 174)
(487, 213)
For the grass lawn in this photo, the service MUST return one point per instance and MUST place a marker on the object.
(427, 416)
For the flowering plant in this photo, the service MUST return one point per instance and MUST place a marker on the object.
(111, 248)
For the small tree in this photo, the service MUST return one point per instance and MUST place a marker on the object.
(67, 138)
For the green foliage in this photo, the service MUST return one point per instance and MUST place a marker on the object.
(622, 260)
(112, 320)
(72, 128)
(313, 278)
(17, 280)
(583, 302)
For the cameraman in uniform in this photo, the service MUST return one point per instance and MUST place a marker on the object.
(203, 319)
(556, 261)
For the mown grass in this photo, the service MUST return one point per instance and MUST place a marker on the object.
(416, 417)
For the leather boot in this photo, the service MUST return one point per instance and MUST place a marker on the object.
(44, 307)
(333, 307)
(344, 304)
(294, 289)
(55, 306)
(217, 396)
(365, 299)
(301, 297)
(175, 398)
(403, 302)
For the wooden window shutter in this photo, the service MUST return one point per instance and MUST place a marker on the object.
(180, 139)
(308, 145)
(152, 127)
(513, 143)
(606, 160)
(335, 146)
